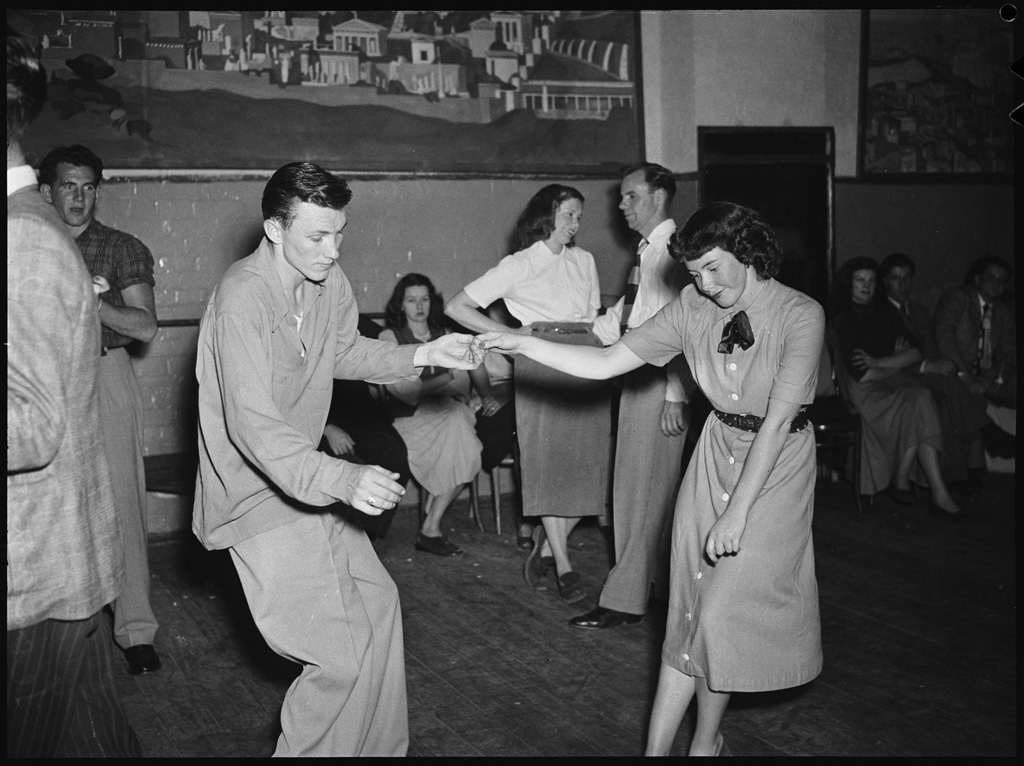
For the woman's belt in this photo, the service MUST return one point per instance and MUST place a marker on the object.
(752, 423)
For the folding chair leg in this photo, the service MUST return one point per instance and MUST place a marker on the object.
(496, 497)
(474, 505)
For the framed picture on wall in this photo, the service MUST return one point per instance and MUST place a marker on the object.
(936, 93)
(449, 92)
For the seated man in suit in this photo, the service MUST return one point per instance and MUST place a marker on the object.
(359, 430)
(974, 327)
(976, 330)
(961, 412)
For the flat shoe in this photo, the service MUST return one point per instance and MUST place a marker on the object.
(524, 542)
(142, 659)
(569, 588)
(600, 618)
(439, 546)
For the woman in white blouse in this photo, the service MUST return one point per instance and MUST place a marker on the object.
(564, 423)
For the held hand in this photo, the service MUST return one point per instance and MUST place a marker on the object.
(338, 440)
(99, 285)
(902, 344)
(490, 406)
(375, 490)
(456, 351)
(674, 418)
(862, 360)
(504, 342)
(725, 535)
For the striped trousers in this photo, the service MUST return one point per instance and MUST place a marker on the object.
(62, 700)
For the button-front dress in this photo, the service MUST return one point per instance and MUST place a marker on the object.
(750, 621)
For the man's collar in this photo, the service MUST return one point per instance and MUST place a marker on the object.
(662, 231)
(19, 177)
(895, 303)
(263, 259)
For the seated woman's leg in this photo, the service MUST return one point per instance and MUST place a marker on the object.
(906, 463)
(436, 506)
(929, 458)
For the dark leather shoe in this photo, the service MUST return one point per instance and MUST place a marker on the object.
(601, 619)
(142, 659)
(902, 496)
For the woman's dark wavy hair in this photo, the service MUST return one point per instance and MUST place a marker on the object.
(302, 182)
(537, 221)
(733, 228)
(394, 317)
(841, 296)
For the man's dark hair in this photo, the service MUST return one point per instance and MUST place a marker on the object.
(979, 265)
(896, 261)
(655, 176)
(77, 155)
(26, 83)
(302, 182)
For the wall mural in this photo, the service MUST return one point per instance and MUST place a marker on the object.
(938, 92)
(488, 92)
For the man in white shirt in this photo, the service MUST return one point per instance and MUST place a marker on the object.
(653, 411)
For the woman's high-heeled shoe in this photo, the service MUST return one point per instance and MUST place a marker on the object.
(934, 509)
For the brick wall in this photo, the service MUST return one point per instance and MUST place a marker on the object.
(452, 231)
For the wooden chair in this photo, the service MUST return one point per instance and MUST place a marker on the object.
(837, 428)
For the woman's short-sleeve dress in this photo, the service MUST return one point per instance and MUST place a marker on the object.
(750, 621)
(563, 423)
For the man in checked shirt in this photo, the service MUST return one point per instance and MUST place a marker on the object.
(69, 179)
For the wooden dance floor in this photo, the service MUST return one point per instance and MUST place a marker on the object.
(919, 632)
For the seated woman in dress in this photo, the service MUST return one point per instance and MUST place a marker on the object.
(431, 413)
(876, 358)
(563, 423)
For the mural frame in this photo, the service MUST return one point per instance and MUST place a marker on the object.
(927, 114)
(175, 102)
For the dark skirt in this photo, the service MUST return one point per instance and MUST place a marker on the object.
(564, 428)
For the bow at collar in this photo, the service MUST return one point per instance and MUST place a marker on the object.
(736, 331)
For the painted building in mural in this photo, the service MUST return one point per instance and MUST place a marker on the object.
(511, 59)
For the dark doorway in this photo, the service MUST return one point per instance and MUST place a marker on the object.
(786, 175)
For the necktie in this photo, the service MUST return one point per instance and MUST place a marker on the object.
(736, 331)
(632, 288)
(984, 359)
(905, 308)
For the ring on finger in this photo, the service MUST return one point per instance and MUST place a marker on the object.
(370, 500)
